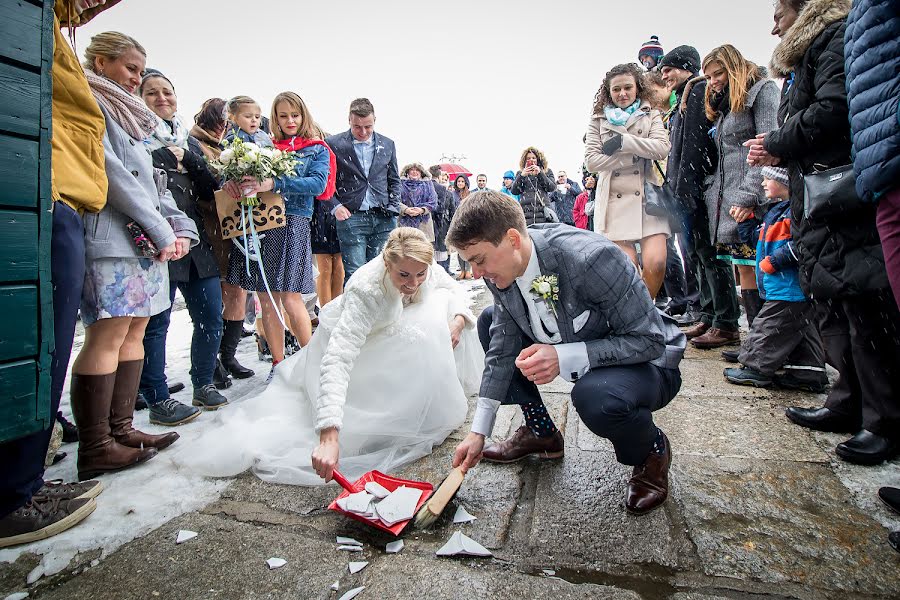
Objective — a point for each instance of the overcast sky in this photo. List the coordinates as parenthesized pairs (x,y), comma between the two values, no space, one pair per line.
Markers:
(481,79)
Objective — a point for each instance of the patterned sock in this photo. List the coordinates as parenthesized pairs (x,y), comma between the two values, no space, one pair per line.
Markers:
(538,419)
(658,444)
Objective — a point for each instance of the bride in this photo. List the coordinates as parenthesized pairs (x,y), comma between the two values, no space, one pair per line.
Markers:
(383,380)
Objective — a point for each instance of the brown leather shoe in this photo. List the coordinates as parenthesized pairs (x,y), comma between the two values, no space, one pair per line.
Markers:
(648,487)
(716,338)
(696,331)
(524,443)
(121,410)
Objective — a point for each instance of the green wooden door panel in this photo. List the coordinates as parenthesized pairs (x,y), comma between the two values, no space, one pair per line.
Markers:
(18,172)
(19,249)
(19,414)
(20,100)
(18,335)
(21,30)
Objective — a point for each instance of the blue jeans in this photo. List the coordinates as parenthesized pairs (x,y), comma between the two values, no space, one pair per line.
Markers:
(204,303)
(362,237)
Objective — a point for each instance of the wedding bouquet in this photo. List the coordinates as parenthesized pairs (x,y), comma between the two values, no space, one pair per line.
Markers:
(242,159)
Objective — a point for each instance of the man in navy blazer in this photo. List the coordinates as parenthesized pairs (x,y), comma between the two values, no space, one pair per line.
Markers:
(367,198)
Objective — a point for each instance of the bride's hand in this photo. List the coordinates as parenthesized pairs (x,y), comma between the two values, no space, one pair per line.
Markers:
(325,457)
(456,328)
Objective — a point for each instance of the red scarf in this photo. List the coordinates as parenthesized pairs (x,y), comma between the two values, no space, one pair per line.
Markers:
(297,143)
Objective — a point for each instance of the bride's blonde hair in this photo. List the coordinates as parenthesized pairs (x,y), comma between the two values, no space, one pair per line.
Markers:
(408,242)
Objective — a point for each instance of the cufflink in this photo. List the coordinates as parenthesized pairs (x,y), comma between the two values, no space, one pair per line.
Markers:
(574,376)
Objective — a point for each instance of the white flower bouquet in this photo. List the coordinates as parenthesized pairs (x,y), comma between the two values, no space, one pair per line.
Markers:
(242,159)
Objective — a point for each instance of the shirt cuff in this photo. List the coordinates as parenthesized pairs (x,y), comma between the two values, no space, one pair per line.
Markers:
(573,360)
(485,415)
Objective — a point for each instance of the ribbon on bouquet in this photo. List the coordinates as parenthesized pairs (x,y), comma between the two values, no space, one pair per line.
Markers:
(247,221)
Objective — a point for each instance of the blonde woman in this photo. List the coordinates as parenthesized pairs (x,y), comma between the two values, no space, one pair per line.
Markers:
(383,380)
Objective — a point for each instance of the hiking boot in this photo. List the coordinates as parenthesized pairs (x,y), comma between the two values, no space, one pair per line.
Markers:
(208,397)
(172,412)
(747,376)
(70,432)
(70,491)
(715,338)
(43,517)
(697,330)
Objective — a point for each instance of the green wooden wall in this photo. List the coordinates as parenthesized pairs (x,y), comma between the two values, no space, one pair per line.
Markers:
(26,303)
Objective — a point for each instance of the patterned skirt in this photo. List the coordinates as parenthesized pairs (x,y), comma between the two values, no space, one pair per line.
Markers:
(286,259)
(739,254)
(124,287)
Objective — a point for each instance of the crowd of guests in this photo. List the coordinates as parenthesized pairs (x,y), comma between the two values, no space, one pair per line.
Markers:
(732,158)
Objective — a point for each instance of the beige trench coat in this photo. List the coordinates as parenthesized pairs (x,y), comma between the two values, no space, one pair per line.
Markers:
(619,205)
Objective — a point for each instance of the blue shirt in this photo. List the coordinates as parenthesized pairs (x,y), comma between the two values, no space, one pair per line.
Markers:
(365,152)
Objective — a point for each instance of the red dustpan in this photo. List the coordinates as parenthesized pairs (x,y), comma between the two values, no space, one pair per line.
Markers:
(390,484)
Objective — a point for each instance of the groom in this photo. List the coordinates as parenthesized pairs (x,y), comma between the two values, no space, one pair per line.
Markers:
(567,302)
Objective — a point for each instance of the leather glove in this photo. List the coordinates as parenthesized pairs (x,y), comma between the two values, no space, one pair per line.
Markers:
(612,145)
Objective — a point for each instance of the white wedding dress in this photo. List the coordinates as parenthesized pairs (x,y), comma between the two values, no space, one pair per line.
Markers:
(380,367)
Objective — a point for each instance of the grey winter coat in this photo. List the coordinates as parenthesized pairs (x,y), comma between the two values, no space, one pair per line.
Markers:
(134,195)
(734,182)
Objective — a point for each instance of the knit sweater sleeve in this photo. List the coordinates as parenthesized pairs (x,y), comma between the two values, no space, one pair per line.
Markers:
(358,316)
(765,119)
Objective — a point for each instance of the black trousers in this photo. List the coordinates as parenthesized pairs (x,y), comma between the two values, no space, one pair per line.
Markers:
(22,460)
(862,341)
(680,283)
(615,402)
(718,299)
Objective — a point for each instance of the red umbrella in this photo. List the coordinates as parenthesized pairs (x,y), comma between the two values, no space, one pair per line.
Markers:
(452,170)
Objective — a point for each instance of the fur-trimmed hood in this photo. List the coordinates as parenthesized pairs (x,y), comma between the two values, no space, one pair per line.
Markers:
(418,166)
(813,19)
(687,90)
(542,160)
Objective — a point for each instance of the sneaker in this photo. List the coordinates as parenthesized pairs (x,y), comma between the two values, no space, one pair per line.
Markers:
(747,376)
(817,384)
(70,491)
(208,397)
(172,412)
(43,517)
(271,374)
(262,349)
(731,355)
(70,432)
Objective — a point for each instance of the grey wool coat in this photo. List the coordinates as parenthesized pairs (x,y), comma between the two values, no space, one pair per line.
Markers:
(136,193)
(734,182)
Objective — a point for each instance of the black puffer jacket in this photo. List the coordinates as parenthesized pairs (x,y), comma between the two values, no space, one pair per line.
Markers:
(442,216)
(534,194)
(190,188)
(693,149)
(840,257)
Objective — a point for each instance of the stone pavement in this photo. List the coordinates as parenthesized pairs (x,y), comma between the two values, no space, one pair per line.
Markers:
(758,509)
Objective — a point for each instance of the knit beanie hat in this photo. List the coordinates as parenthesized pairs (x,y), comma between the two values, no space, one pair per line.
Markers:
(682,57)
(652,49)
(779,174)
(509,175)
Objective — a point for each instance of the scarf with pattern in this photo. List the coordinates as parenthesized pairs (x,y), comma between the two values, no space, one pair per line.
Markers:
(169,133)
(619,116)
(126,109)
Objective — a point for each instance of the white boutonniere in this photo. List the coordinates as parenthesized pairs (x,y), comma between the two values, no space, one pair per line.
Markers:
(546,287)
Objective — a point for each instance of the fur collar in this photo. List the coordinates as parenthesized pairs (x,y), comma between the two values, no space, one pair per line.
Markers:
(687,91)
(814,18)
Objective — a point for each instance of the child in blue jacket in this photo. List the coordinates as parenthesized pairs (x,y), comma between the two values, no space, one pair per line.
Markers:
(784,346)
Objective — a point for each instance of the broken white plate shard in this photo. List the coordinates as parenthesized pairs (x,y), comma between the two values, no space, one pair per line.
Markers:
(549,572)
(351,548)
(462,545)
(463,516)
(352,593)
(399,506)
(335,586)
(342,504)
(359,502)
(394,547)
(377,490)
(356,567)
(185,535)
(348,541)
(276,563)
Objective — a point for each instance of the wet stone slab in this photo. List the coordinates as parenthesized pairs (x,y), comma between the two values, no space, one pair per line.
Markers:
(782,523)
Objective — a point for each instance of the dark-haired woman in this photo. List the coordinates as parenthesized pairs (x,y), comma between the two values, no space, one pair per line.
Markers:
(624,138)
(460,192)
(534,183)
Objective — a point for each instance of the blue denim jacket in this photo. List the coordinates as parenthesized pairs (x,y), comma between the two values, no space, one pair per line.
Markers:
(308,181)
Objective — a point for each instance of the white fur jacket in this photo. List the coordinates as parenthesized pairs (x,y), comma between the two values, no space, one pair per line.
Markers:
(370,303)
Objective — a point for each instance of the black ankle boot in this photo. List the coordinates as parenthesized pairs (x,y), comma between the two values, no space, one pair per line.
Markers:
(752,304)
(231,336)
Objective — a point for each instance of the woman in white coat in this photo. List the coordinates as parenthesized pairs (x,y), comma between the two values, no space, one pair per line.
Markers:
(624,139)
(384,379)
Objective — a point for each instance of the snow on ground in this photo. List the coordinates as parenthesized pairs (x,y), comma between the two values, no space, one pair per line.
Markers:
(140,499)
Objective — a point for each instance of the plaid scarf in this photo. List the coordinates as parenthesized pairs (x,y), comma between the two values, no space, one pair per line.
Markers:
(127,110)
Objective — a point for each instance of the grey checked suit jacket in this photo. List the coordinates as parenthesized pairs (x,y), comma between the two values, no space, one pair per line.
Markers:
(602,302)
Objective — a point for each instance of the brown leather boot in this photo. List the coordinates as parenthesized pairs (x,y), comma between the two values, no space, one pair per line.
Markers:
(716,338)
(524,443)
(121,411)
(648,487)
(696,331)
(98,452)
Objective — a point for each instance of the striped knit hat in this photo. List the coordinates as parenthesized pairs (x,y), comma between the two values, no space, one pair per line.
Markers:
(779,174)
(652,49)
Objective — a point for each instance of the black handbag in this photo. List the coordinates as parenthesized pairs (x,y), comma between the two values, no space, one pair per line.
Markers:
(660,201)
(830,193)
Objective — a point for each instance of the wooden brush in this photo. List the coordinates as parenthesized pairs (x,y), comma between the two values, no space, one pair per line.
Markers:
(439,500)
